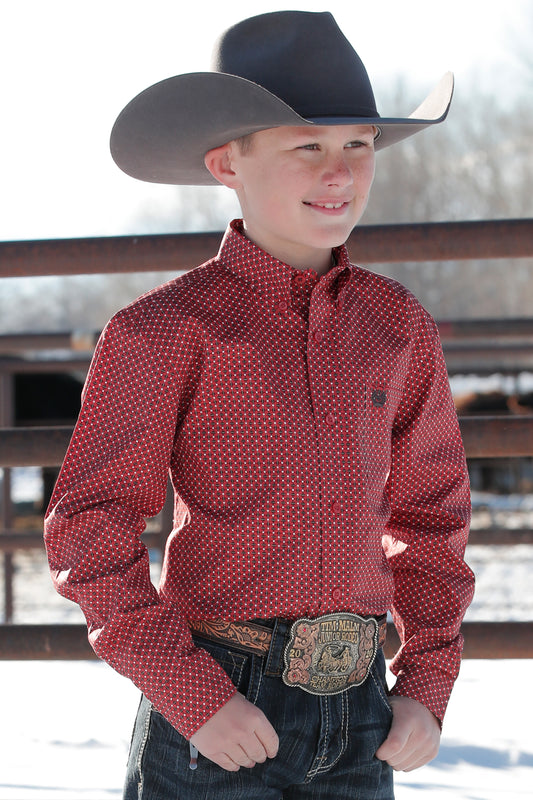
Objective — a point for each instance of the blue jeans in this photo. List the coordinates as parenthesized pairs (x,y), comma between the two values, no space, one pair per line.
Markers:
(327,743)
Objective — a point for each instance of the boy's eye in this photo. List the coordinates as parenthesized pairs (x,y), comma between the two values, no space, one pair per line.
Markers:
(350,145)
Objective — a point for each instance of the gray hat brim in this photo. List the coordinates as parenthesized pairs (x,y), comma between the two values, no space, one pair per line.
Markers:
(163,134)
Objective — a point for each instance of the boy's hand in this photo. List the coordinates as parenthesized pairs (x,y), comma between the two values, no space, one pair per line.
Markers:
(238,735)
(414,736)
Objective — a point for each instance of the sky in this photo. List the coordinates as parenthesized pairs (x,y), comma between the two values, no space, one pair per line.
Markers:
(67,69)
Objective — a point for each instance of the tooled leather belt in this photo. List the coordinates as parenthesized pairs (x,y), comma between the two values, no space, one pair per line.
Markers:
(326,655)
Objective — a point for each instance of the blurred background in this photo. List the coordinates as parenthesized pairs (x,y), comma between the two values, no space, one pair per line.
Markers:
(67,68)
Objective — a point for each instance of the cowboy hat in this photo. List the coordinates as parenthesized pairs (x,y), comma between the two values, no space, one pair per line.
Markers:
(281,68)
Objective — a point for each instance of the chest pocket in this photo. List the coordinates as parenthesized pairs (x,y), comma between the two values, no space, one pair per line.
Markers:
(380,404)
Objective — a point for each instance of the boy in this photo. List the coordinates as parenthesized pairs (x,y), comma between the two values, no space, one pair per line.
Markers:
(302,407)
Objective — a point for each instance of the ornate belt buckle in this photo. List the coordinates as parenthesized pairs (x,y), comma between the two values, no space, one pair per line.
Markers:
(330,654)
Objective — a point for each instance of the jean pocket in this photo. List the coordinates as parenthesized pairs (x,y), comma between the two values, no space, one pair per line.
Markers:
(377,676)
(236,665)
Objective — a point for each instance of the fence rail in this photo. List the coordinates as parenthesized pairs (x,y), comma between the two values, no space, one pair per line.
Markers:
(481,346)
(483,437)
(368,244)
(69,642)
(509,354)
(449,329)
(496,331)
(13,540)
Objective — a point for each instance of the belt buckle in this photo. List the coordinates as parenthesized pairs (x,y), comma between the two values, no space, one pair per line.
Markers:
(330,654)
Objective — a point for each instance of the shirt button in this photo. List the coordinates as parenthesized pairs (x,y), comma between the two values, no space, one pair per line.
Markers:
(281,306)
(330,418)
(336,593)
(336,507)
(318,336)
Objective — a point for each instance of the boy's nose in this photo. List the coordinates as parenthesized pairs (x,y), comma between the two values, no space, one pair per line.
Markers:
(338,172)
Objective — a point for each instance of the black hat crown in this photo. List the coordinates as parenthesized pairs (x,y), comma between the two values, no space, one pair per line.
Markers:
(278,69)
(301,57)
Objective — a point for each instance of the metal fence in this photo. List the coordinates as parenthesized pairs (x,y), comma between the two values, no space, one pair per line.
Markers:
(481,346)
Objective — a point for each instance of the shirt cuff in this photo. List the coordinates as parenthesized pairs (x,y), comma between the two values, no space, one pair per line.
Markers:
(432,690)
(189,697)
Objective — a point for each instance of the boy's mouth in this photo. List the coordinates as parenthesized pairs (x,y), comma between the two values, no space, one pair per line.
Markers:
(330,206)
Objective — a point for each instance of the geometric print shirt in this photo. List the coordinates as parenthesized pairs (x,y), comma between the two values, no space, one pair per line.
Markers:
(308,430)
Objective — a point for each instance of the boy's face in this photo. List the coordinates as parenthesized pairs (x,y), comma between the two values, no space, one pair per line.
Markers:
(302,189)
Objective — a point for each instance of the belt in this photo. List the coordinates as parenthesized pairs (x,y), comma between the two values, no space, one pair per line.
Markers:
(325,655)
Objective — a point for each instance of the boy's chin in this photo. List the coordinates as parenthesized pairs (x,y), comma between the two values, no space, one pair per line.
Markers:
(332,239)
(334,235)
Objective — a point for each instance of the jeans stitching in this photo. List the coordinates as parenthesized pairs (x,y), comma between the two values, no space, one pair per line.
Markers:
(272,669)
(317,767)
(254,669)
(237,666)
(332,719)
(142,748)
(381,692)
(344,726)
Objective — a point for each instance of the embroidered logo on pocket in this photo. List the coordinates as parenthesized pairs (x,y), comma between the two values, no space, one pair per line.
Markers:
(378,397)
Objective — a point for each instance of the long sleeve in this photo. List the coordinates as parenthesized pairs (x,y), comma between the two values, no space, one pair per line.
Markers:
(428,529)
(114,476)
(298,446)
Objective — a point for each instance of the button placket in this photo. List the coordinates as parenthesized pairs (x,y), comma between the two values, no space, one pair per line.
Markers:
(322,370)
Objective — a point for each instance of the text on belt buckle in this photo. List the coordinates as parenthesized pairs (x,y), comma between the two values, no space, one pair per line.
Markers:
(330,654)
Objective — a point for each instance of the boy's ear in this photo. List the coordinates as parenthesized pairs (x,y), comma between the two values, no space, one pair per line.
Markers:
(219,163)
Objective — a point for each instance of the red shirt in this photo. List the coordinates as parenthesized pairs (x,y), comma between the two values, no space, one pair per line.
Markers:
(317,466)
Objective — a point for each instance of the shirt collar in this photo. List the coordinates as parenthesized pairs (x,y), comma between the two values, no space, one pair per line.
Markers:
(273,279)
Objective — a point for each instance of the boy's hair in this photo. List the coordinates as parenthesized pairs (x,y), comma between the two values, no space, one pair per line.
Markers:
(244,143)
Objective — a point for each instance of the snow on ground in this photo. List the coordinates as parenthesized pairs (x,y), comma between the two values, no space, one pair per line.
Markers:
(67,727)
